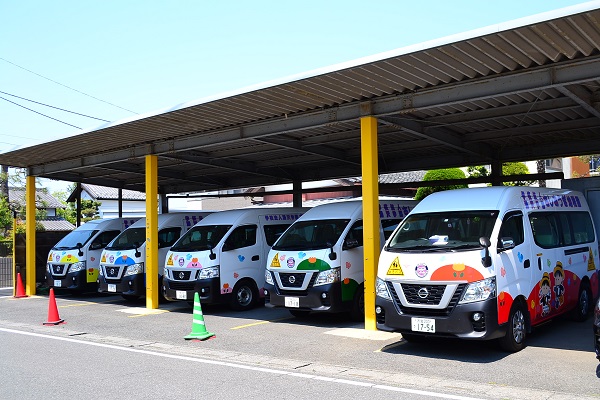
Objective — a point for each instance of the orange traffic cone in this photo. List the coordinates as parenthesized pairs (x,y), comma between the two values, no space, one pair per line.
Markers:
(20,290)
(198,326)
(53,318)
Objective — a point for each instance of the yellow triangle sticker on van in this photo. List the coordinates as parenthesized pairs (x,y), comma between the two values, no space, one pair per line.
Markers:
(170,260)
(103,258)
(395,268)
(275,263)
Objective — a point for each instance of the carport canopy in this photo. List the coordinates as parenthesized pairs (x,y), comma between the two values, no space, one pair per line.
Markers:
(523,90)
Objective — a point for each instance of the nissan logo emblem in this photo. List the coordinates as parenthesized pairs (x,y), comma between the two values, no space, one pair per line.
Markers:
(112,271)
(292,279)
(181,275)
(423,293)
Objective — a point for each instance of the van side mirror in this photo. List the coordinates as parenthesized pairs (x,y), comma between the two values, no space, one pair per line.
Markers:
(350,243)
(486,261)
(212,255)
(79,246)
(95,246)
(137,249)
(506,243)
(332,255)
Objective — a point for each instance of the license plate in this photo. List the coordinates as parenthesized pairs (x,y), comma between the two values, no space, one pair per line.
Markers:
(293,302)
(423,325)
(57,283)
(112,287)
(181,295)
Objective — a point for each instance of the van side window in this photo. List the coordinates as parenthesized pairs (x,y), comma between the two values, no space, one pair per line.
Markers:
(272,232)
(583,229)
(512,226)
(563,228)
(242,236)
(104,239)
(388,226)
(356,233)
(168,236)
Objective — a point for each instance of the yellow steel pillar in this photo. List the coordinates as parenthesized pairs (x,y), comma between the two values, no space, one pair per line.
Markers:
(152,232)
(370,193)
(30,235)
(14,252)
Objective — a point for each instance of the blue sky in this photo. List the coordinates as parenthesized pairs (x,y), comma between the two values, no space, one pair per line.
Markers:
(113,59)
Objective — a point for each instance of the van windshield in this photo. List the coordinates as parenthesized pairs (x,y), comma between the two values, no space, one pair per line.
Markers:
(443,231)
(311,235)
(202,237)
(131,238)
(70,241)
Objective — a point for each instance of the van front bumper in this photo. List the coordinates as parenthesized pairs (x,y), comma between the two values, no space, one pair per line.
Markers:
(320,298)
(131,285)
(209,290)
(72,280)
(459,322)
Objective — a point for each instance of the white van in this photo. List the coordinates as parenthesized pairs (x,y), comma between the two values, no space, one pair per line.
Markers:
(73,261)
(318,263)
(122,264)
(488,263)
(222,258)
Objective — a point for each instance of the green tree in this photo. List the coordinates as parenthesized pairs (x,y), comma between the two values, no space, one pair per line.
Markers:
(89,211)
(508,168)
(440,174)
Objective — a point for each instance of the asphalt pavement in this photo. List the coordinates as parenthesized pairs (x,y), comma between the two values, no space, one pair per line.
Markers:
(558,363)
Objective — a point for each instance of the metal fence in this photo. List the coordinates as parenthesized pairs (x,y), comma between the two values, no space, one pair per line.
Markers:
(6,272)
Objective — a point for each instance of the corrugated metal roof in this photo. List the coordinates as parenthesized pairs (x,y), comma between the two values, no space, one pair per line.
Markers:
(524,90)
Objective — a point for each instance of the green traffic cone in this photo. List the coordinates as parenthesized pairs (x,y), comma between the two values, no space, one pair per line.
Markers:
(198,327)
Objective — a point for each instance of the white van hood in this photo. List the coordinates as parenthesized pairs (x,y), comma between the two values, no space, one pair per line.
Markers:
(460,266)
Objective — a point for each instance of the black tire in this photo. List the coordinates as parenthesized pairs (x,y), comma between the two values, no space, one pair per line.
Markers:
(244,296)
(299,313)
(584,303)
(130,297)
(358,305)
(514,340)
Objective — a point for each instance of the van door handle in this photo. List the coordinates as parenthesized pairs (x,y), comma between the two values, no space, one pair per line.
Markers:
(526,264)
(255,258)
(540,263)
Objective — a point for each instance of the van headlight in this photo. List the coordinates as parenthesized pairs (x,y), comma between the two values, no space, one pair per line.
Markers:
(330,276)
(134,269)
(78,266)
(269,277)
(209,272)
(381,289)
(480,290)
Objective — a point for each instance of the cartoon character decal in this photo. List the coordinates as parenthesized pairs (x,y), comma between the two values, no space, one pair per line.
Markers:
(558,288)
(456,272)
(545,294)
(194,263)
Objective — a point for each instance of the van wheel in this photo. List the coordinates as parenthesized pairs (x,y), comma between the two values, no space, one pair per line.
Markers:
(299,313)
(514,340)
(584,303)
(358,305)
(244,295)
